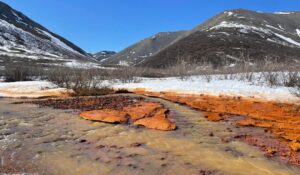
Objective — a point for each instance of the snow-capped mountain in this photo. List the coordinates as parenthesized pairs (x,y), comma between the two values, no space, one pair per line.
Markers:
(103,55)
(23,39)
(141,51)
(237,36)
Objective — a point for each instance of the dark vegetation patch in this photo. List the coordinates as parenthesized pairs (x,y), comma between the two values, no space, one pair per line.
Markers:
(89,103)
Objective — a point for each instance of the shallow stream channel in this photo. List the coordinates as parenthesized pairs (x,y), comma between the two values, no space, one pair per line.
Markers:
(51,141)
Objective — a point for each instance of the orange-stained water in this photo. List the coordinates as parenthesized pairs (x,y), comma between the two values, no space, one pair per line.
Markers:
(60,142)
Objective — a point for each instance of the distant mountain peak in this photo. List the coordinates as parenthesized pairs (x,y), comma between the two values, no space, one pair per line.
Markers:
(103,55)
(141,51)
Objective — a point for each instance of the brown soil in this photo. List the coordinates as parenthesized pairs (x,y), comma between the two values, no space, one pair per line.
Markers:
(280,119)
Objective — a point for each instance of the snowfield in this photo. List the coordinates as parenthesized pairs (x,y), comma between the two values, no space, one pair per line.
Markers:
(193,85)
(30,89)
(199,85)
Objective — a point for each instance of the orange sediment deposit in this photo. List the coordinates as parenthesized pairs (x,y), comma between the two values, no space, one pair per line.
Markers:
(215,116)
(158,121)
(115,109)
(295,145)
(149,114)
(281,119)
(141,110)
(105,115)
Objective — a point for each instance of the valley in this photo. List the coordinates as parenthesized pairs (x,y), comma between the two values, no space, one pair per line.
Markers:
(219,98)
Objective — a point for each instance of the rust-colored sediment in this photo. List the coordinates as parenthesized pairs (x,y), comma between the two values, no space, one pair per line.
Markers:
(281,119)
(105,115)
(116,109)
(141,110)
(157,121)
(149,114)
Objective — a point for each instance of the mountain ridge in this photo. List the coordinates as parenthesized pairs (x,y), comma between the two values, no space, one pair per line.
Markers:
(143,49)
(217,39)
(24,40)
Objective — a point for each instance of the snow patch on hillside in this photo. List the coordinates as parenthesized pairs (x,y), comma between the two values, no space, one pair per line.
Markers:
(298,32)
(229,13)
(59,42)
(246,28)
(262,32)
(18,18)
(283,13)
(289,40)
(272,27)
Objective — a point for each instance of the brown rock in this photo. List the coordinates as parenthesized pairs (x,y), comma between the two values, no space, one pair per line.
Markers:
(105,115)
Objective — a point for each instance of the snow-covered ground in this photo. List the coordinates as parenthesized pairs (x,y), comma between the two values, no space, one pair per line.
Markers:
(30,89)
(200,85)
(192,85)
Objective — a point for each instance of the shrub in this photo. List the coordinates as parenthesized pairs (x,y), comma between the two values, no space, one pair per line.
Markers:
(84,82)
(17,73)
(272,78)
(296,91)
(92,91)
(292,79)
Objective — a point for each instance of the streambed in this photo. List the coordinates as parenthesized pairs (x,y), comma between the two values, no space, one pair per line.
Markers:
(52,141)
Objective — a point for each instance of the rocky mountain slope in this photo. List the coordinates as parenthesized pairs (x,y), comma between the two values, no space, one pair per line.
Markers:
(142,50)
(23,40)
(236,36)
(103,55)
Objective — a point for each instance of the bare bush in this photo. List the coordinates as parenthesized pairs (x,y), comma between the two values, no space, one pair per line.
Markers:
(296,91)
(127,74)
(292,79)
(17,73)
(60,77)
(84,82)
(208,77)
(272,78)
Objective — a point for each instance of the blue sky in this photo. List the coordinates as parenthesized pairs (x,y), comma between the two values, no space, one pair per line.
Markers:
(96,25)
